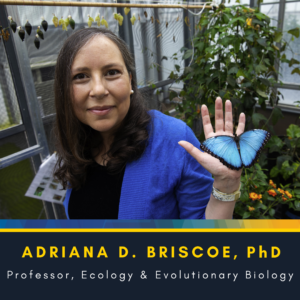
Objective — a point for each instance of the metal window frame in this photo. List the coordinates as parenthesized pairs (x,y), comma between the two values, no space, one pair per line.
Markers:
(281,14)
(32,124)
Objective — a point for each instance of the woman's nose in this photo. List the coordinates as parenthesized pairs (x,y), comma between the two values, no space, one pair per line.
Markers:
(98,88)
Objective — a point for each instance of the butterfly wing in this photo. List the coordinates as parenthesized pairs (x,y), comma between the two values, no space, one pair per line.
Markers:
(251,144)
(225,149)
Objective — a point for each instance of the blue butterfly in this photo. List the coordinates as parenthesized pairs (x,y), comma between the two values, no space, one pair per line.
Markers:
(236,152)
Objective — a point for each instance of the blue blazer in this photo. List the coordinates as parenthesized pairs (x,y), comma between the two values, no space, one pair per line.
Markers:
(165,182)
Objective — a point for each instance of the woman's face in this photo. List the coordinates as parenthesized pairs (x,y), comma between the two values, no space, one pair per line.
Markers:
(101,86)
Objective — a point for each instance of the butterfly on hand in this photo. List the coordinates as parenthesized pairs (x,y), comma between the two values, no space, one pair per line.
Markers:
(238,151)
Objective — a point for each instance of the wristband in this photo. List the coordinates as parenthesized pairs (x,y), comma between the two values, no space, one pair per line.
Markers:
(227,197)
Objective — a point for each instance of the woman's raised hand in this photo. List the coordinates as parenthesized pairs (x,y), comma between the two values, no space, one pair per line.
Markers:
(226,180)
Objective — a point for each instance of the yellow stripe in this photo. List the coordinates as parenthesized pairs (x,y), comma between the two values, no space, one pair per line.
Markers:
(154,230)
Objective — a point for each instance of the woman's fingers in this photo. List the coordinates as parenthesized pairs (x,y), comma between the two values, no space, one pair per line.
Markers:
(219,123)
(228,118)
(192,150)
(241,125)
(207,127)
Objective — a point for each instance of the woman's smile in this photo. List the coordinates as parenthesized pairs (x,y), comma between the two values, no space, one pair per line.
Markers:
(100,111)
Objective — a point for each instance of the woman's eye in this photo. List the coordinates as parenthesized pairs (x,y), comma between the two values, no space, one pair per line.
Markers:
(113,72)
(79,76)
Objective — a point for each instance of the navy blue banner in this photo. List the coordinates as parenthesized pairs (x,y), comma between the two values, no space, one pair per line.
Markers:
(149,265)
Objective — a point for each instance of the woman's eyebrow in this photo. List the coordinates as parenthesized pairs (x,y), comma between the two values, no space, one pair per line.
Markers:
(82,69)
(112,65)
(79,69)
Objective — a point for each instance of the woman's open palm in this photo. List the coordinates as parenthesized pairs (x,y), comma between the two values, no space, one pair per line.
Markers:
(210,163)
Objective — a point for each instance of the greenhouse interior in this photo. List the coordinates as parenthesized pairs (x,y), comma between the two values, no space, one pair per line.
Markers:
(186,54)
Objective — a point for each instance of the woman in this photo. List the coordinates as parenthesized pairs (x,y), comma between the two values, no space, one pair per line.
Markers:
(117,159)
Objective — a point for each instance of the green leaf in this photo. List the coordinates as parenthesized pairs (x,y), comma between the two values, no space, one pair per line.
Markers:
(261,68)
(200,46)
(236,45)
(274,149)
(233,70)
(240,73)
(293,131)
(256,118)
(246,215)
(246,84)
(272,212)
(177,67)
(244,196)
(222,93)
(295,32)
(250,37)
(187,70)
(274,172)
(278,36)
(264,81)
(231,81)
(286,170)
(236,20)
(260,16)
(293,62)
(297,70)
(262,42)
(277,114)
(172,95)
(270,198)
(281,159)
(275,141)
(261,93)
(187,54)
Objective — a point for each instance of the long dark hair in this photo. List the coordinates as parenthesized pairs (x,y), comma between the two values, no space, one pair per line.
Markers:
(75,140)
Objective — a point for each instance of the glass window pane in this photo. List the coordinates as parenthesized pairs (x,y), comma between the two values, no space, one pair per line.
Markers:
(232,2)
(290,96)
(269,1)
(291,20)
(14,182)
(271,10)
(9,108)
